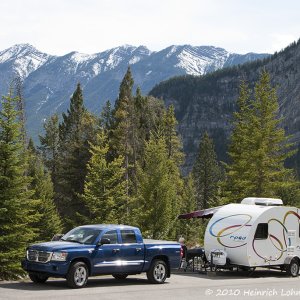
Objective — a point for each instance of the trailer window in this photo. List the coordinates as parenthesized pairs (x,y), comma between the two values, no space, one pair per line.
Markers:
(261,231)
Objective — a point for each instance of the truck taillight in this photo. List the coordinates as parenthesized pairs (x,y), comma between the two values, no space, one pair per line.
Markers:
(181,251)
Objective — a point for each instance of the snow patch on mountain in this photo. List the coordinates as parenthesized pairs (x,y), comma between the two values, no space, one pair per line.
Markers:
(172,51)
(134,60)
(24,59)
(200,60)
(193,65)
(96,68)
(81,57)
(113,60)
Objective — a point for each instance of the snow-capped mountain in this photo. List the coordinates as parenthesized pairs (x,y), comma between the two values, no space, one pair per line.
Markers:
(49,80)
(22,60)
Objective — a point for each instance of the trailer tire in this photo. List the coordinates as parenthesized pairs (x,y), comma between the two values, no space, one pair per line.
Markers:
(38,278)
(293,268)
(78,275)
(158,272)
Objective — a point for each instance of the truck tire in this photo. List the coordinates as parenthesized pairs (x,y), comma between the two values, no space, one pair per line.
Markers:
(38,278)
(158,271)
(120,276)
(78,275)
(293,268)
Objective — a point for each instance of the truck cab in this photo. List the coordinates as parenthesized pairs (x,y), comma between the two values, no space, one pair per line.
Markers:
(92,250)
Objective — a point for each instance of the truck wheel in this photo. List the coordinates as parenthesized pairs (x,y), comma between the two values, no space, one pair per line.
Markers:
(38,278)
(120,276)
(78,275)
(157,272)
(293,268)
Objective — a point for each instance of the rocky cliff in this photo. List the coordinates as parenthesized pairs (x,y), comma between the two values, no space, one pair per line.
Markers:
(206,103)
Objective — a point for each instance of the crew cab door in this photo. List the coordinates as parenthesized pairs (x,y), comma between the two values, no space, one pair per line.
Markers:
(133,252)
(107,257)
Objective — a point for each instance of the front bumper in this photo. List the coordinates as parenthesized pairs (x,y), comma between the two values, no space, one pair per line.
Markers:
(54,269)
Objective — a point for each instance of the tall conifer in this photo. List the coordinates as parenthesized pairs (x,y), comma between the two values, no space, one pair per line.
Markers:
(76,129)
(105,186)
(122,140)
(16,205)
(206,174)
(156,190)
(258,146)
(50,145)
(42,188)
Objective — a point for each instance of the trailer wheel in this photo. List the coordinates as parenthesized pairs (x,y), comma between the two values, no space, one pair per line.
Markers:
(158,271)
(38,278)
(293,268)
(213,268)
(78,275)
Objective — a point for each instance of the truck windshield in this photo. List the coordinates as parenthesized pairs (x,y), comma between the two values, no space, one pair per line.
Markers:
(82,235)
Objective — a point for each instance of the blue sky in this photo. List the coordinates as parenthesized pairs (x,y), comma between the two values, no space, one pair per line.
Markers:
(89,26)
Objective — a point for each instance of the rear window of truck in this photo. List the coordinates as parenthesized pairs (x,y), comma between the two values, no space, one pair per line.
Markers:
(128,236)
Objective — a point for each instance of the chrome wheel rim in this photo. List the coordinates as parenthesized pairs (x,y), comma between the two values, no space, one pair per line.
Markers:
(80,276)
(294,269)
(160,273)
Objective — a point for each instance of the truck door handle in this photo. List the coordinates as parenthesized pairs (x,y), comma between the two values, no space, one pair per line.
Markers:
(116,250)
(138,249)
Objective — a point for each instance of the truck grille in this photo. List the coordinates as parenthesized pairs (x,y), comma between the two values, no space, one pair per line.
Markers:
(39,256)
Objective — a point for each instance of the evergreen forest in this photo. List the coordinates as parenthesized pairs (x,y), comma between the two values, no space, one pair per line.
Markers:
(124,166)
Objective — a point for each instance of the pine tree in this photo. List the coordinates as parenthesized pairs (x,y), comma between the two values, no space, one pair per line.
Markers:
(176,159)
(156,190)
(122,141)
(149,115)
(125,91)
(76,130)
(172,140)
(105,185)
(18,90)
(50,144)
(206,174)
(189,229)
(70,128)
(122,135)
(42,188)
(16,206)
(258,146)
(106,116)
(235,185)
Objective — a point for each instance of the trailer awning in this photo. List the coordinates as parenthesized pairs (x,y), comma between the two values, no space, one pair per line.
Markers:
(204,213)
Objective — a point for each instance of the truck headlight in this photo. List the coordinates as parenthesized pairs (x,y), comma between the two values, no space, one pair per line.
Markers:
(59,256)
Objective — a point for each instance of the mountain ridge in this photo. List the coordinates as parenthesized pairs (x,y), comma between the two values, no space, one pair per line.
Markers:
(206,103)
(50,80)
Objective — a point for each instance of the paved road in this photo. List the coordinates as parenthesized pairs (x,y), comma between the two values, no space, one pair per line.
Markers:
(262,285)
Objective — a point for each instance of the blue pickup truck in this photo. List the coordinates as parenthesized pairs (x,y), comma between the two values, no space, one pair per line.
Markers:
(92,250)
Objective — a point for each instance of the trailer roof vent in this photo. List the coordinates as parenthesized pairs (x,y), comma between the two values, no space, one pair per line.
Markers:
(262,201)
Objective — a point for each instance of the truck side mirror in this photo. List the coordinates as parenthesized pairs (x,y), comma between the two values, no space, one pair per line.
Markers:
(104,241)
(57,237)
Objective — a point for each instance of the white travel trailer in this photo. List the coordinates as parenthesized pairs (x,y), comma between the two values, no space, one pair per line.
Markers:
(258,232)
